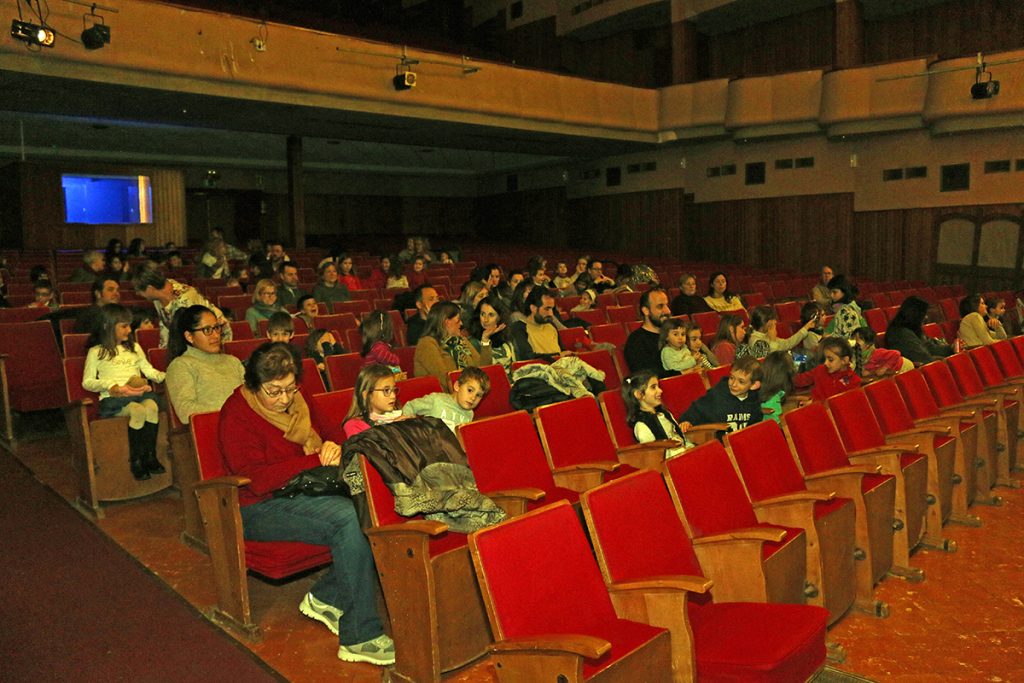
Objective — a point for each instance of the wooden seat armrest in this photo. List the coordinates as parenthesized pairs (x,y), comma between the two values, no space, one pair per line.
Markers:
(589,647)
(527,493)
(227,481)
(895,447)
(954,412)
(888,461)
(844,471)
(1004,391)
(425,527)
(799,496)
(978,402)
(709,427)
(650,445)
(599,465)
(934,430)
(749,534)
(680,582)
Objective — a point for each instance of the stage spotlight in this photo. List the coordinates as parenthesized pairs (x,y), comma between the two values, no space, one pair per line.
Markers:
(983,90)
(405,80)
(96,36)
(33,34)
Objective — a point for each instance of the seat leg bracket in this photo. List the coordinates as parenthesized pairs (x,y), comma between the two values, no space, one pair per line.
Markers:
(911,574)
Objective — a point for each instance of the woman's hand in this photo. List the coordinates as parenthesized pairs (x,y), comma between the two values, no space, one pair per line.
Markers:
(685,427)
(488,331)
(330,453)
(811,324)
(773,330)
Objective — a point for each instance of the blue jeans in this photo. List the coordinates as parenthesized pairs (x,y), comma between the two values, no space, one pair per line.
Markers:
(326,520)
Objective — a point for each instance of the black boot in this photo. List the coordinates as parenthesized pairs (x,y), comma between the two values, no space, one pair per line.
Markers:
(150,432)
(135,454)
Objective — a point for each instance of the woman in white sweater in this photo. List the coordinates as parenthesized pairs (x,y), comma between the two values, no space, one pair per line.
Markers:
(116,368)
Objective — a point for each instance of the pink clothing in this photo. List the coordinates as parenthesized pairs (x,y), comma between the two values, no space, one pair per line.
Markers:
(883,360)
(725,352)
(381,352)
(355,426)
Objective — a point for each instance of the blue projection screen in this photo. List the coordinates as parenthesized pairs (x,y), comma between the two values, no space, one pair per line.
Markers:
(107,199)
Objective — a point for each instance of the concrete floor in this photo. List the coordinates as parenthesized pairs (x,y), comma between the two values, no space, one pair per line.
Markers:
(964,623)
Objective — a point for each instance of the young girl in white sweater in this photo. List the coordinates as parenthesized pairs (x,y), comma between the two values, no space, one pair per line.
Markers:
(114,368)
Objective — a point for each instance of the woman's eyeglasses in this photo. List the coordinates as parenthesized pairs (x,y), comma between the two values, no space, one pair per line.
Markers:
(210,329)
(275,392)
(388,391)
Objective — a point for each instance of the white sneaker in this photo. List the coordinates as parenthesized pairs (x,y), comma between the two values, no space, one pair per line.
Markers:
(379,651)
(328,615)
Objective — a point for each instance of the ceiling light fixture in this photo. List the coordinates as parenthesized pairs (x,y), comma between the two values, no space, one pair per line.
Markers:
(33,34)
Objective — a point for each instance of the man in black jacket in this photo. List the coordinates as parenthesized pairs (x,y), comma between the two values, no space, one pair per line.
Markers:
(641,350)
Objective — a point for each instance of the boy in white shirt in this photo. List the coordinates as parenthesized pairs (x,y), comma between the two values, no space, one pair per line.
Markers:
(457,407)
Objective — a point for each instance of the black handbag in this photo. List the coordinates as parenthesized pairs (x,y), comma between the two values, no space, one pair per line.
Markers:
(316,481)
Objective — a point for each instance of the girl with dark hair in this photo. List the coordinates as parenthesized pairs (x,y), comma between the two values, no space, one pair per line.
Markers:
(266,435)
(905,335)
(442,348)
(848,315)
(777,374)
(764,337)
(729,341)
(719,298)
(200,377)
(378,336)
(645,413)
(137,247)
(114,368)
(975,328)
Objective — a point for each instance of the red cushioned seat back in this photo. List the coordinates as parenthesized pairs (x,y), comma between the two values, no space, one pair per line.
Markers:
(593,317)
(76,345)
(73,368)
(1018,347)
(602,360)
(496,400)
(709,491)
(242,348)
(379,500)
(890,409)
(240,330)
(815,439)
(357,307)
(238,303)
(789,311)
(636,530)
(1007,358)
(680,391)
(312,381)
(148,338)
(539,577)
(328,409)
(417,387)
(765,461)
(35,372)
(965,374)
(609,333)
(343,369)
(706,320)
(158,358)
(942,384)
(918,396)
(573,432)
(950,309)
(336,321)
(621,314)
(504,452)
(206,445)
(573,339)
(629,298)
(876,320)
(614,410)
(715,375)
(853,417)
(986,366)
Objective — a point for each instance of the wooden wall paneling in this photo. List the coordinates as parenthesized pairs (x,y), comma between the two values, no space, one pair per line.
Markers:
(800,41)
(956,27)
(641,223)
(10,200)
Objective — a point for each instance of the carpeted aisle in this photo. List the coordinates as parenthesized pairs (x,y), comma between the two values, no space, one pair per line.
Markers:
(74,606)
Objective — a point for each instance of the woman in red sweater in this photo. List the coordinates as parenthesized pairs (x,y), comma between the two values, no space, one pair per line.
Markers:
(266,435)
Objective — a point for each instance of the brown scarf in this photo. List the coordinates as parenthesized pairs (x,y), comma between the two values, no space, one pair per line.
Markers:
(295,422)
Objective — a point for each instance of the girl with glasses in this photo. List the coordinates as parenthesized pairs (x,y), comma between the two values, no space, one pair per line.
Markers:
(200,377)
(375,400)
